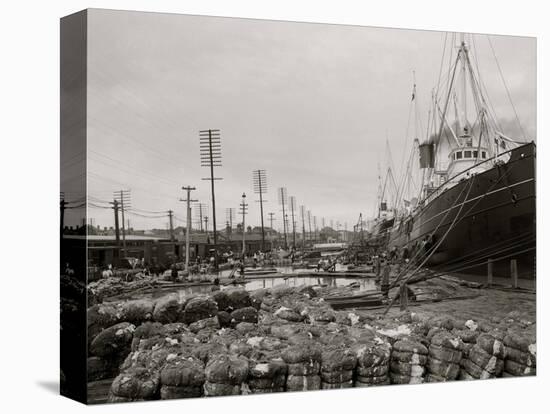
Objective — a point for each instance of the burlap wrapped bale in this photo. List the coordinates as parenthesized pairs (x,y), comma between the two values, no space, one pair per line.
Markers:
(303,382)
(168,309)
(516,369)
(208,323)
(305,352)
(337,367)
(200,307)
(224,318)
(256,297)
(136,311)
(136,384)
(491,342)
(100,317)
(116,339)
(182,377)
(373,371)
(288,314)
(267,377)
(227,369)
(207,351)
(406,357)
(304,357)
(369,381)
(336,385)
(467,335)
(304,368)
(445,353)
(240,347)
(285,331)
(373,360)
(409,346)
(168,392)
(221,299)
(247,314)
(225,375)
(147,335)
(322,316)
(237,298)
(338,359)
(246,328)
(448,371)
(521,354)
(407,367)
(486,358)
(214,389)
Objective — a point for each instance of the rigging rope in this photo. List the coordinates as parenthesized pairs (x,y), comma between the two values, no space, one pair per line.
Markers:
(507,90)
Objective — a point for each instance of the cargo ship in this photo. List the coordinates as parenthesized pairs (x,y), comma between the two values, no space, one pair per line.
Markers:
(476,201)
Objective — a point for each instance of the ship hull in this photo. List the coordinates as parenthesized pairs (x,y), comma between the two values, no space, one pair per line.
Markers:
(490,215)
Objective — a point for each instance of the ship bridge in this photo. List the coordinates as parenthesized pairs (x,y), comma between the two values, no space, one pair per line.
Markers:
(465,157)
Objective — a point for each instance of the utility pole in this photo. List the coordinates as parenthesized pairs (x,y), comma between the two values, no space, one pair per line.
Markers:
(315,228)
(62,206)
(283,201)
(244,207)
(188,225)
(303,214)
(309,222)
(206,225)
(171,224)
(259,182)
(211,156)
(170,214)
(200,210)
(230,216)
(123,197)
(292,209)
(117,230)
(271,219)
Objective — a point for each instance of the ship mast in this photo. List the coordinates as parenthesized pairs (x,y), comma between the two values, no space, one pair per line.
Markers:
(463,58)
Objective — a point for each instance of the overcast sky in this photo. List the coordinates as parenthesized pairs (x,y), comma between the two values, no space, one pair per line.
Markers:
(310,103)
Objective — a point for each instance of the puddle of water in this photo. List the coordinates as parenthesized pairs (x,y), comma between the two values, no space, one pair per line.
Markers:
(364,284)
(288,276)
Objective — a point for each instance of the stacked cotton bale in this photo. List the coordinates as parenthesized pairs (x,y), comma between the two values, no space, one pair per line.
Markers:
(200,307)
(247,314)
(168,309)
(267,376)
(337,368)
(103,361)
(236,298)
(445,354)
(225,375)
(100,317)
(135,384)
(113,342)
(136,311)
(521,355)
(408,362)
(373,361)
(182,377)
(304,364)
(486,358)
